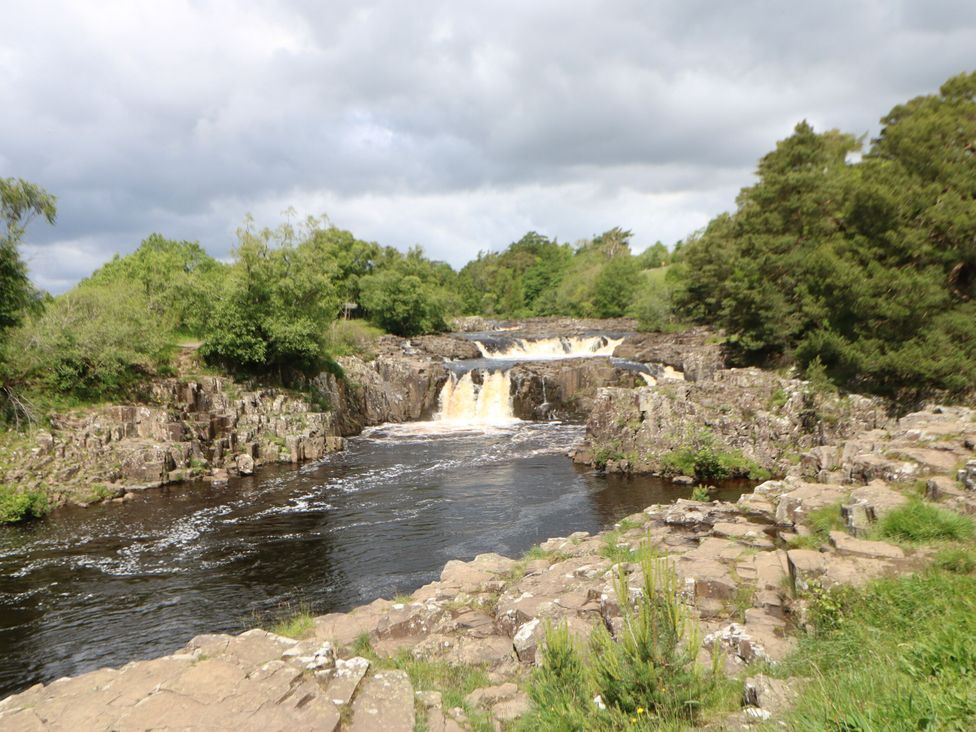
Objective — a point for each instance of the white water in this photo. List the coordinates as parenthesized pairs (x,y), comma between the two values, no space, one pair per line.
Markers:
(543,349)
(462,402)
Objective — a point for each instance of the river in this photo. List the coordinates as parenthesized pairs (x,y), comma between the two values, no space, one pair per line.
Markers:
(95,587)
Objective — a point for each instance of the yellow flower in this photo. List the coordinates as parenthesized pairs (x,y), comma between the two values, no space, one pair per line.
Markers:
(640,710)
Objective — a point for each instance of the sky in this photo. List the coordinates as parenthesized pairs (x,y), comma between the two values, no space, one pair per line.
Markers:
(457,125)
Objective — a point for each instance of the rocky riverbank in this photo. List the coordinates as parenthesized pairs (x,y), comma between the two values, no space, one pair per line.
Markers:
(748,573)
(202,427)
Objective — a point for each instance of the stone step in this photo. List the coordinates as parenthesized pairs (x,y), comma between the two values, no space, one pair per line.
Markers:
(346,679)
(384,703)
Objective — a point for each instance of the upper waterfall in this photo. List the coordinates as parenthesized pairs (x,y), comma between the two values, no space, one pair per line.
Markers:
(549,348)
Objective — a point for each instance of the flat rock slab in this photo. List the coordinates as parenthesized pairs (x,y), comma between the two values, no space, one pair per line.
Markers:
(846,544)
(385,703)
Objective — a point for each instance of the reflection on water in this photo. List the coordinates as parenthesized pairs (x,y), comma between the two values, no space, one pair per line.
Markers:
(106,585)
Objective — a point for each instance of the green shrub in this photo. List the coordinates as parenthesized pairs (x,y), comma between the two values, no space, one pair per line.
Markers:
(91,343)
(920,522)
(403,304)
(701,458)
(273,309)
(603,455)
(179,281)
(646,678)
(21,506)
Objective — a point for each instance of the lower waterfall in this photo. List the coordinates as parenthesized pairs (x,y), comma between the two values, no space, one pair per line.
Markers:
(461,400)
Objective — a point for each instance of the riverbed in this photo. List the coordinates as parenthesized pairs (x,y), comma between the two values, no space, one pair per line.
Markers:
(113,583)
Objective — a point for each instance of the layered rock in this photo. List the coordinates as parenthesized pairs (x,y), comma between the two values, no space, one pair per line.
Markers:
(565,389)
(770,419)
(207,427)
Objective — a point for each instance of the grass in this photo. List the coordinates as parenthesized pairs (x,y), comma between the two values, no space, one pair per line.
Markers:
(899,654)
(352,338)
(628,524)
(17,506)
(613,549)
(298,625)
(453,682)
(98,492)
(956,559)
(821,522)
(919,522)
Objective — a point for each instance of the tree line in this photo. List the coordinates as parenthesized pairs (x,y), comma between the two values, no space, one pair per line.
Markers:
(855,263)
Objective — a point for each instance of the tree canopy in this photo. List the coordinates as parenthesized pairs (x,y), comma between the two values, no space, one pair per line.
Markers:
(866,267)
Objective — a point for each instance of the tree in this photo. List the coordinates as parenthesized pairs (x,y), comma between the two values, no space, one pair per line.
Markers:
(868,268)
(274,308)
(178,278)
(403,303)
(20,203)
(615,286)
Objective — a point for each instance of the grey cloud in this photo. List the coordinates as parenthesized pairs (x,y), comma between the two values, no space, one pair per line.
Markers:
(455,125)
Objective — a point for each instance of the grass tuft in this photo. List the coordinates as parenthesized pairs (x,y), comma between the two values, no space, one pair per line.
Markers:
(647,677)
(918,522)
(298,625)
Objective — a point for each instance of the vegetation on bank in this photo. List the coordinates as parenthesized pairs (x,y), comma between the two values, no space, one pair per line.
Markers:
(702,458)
(17,506)
(899,653)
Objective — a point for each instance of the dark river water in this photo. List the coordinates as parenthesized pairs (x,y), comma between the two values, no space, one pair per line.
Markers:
(102,586)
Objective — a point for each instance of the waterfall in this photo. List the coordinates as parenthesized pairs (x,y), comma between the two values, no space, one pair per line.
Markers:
(461,400)
(552,348)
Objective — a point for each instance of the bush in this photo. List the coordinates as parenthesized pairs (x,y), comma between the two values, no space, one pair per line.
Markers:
(403,304)
(920,522)
(274,309)
(15,506)
(702,459)
(91,343)
(179,281)
(647,678)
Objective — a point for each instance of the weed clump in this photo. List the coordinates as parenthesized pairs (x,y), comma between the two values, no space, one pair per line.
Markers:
(646,677)
(919,522)
(16,506)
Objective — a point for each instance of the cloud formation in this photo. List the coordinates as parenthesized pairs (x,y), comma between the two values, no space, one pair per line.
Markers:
(458,126)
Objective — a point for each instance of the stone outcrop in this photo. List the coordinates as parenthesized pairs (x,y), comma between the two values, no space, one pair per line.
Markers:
(215,427)
(565,389)
(693,352)
(202,428)
(770,419)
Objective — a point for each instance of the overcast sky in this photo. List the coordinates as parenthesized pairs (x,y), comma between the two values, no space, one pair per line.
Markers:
(455,125)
